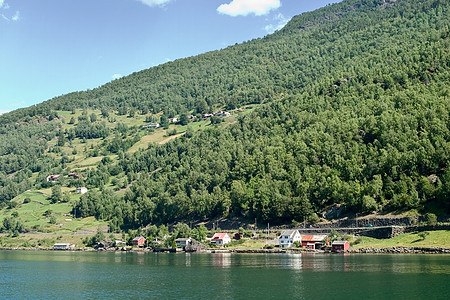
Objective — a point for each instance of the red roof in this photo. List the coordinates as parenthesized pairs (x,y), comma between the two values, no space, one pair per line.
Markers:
(313,238)
(219,236)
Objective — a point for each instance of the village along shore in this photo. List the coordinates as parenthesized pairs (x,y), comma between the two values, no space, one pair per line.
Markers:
(392,250)
(368,235)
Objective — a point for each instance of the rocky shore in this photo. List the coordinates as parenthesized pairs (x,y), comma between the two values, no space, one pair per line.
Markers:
(393,250)
(403,250)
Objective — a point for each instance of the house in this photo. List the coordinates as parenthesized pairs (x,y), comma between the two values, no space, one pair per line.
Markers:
(173,120)
(182,242)
(205,116)
(288,238)
(340,246)
(139,241)
(119,243)
(81,190)
(62,246)
(153,125)
(74,175)
(314,241)
(53,178)
(220,238)
(222,113)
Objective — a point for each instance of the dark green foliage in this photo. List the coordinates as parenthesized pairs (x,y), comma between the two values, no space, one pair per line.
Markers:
(88,130)
(184,120)
(57,195)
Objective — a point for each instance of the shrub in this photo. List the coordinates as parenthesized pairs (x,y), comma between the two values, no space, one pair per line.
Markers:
(423,234)
(431,219)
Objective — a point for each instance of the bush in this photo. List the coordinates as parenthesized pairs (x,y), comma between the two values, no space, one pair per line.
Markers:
(12,204)
(423,234)
(431,219)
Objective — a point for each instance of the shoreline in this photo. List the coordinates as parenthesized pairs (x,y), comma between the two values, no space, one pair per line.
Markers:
(392,250)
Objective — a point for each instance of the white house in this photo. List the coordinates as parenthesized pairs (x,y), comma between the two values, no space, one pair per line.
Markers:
(81,190)
(289,237)
(53,178)
(182,242)
(62,246)
(221,238)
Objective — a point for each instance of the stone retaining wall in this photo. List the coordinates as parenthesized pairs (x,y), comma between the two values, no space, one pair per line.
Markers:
(403,250)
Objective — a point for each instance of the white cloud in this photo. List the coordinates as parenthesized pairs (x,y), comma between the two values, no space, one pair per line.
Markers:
(153,3)
(246,7)
(281,21)
(4,17)
(16,16)
(4,5)
(116,76)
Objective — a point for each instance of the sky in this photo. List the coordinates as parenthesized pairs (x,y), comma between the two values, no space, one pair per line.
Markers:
(53,47)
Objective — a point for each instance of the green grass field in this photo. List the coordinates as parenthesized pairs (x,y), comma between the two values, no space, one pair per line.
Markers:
(438,238)
(35,215)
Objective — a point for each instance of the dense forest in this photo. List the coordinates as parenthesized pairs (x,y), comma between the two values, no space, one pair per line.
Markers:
(351,107)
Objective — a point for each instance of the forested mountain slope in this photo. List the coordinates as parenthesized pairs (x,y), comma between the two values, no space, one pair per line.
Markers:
(352,107)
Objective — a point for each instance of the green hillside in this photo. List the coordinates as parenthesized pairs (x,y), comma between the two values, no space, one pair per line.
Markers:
(346,105)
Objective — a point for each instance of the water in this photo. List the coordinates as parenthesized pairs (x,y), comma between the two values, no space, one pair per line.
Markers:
(81,275)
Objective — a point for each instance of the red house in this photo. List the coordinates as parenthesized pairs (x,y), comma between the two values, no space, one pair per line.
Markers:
(221,238)
(73,175)
(139,241)
(340,246)
(314,241)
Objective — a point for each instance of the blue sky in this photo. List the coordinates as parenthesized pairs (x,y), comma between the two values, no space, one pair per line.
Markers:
(53,47)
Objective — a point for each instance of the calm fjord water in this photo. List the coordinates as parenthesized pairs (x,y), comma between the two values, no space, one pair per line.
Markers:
(82,275)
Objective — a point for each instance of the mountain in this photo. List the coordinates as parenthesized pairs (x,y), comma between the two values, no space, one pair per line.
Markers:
(347,105)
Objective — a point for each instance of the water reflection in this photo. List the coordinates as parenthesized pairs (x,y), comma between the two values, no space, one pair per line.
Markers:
(221,260)
(188,259)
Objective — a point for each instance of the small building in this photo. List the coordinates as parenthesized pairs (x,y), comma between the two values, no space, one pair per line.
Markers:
(288,238)
(62,246)
(314,241)
(139,241)
(73,175)
(53,178)
(81,190)
(119,243)
(153,125)
(220,238)
(222,113)
(182,242)
(173,120)
(340,246)
(205,116)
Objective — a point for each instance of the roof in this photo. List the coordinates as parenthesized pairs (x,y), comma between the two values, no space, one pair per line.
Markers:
(182,239)
(219,236)
(288,232)
(339,242)
(138,238)
(313,238)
